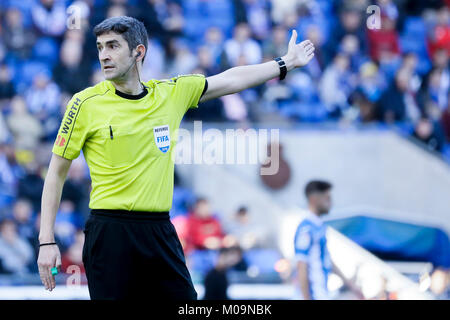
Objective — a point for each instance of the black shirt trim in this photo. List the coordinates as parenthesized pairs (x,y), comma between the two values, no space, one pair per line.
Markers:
(204,88)
(132,96)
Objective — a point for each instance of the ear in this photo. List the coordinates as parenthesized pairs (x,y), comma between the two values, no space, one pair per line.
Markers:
(140,51)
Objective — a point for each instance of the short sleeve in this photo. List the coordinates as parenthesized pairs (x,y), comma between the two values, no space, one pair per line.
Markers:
(303,242)
(189,89)
(72,131)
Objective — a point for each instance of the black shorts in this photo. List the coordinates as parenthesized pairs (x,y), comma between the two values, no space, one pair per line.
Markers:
(135,256)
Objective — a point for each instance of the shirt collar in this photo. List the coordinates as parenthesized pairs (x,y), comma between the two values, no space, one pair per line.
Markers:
(314,218)
(126,95)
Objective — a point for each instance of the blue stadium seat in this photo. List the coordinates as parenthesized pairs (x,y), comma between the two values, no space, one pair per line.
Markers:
(415,26)
(264,259)
(446,153)
(26,73)
(202,261)
(46,50)
(413,39)
(200,15)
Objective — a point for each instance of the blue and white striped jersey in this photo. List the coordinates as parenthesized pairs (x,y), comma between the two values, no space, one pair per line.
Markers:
(311,247)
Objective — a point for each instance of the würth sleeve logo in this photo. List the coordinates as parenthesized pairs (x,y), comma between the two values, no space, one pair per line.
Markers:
(70,116)
(162,137)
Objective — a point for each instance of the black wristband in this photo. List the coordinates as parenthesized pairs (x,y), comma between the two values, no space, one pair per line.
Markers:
(283,68)
(46,244)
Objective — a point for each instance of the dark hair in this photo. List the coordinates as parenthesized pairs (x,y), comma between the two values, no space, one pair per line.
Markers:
(242,210)
(131,29)
(200,200)
(317,186)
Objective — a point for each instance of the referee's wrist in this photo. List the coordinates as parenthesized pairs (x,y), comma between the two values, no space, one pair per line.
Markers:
(289,62)
(46,239)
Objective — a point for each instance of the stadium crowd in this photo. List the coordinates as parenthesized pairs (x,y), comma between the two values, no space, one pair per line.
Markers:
(398,74)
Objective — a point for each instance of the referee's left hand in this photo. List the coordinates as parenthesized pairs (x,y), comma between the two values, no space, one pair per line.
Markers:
(49,257)
(300,54)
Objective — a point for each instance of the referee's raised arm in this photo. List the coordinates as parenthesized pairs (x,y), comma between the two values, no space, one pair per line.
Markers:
(49,255)
(243,77)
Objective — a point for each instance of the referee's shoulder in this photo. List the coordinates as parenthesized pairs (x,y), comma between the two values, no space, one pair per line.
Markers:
(174,80)
(90,93)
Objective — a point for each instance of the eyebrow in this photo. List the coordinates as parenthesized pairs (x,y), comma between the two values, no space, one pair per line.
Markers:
(109,42)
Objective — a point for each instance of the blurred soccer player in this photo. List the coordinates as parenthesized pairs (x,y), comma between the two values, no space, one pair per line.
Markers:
(311,254)
(126,128)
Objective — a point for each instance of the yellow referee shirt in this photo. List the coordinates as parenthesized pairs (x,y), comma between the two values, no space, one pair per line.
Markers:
(128,141)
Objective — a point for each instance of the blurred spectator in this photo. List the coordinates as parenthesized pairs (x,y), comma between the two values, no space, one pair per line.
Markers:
(351,47)
(244,231)
(430,134)
(5,135)
(18,39)
(371,82)
(213,40)
(26,129)
(234,107)
(276,45)
(242,49)
(446,119)
(204,230)
(23,215)
(433,97)
(77,187)
(303,101)
(70,74)
(336,85)
(73,255)
(43,99)
(257,17)
(153,68)
(206,62)
(183,198)
(184,60)
(7,182)
(149,16)
(384,43)
(409,63)
(350,22)
(216,281)
(31,185)
(397,103)
(66,223)
(440,61)
(365,108)
(439,35)
(7,90)
(15,253)
(318,64)
(440,284)
(49,17)
(8,178)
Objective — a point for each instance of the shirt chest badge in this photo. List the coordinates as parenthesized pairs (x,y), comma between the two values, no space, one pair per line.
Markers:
(162,137)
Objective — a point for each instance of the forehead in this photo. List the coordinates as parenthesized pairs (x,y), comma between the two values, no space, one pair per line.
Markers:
(110,36)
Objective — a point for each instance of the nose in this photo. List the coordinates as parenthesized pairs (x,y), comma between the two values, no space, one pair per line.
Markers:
(103,55)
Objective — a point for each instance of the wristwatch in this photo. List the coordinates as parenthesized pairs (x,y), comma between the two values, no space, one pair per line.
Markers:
(283,68)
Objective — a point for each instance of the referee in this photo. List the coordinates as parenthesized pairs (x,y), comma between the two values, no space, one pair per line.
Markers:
(125,128)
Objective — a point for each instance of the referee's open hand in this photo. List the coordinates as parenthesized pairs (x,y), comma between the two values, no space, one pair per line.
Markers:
(49,257)
(299,54)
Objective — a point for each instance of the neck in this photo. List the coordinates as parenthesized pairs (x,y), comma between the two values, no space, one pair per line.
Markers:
(314,211)
(131,85)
